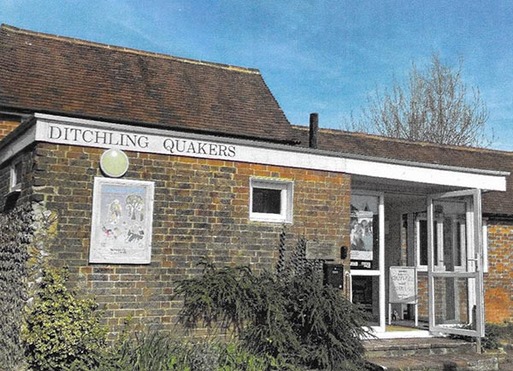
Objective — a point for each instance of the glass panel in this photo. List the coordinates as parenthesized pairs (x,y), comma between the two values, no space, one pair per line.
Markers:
(452,214)
(266,201)
(452,302)
(423,242)
(364,232)
(365,291)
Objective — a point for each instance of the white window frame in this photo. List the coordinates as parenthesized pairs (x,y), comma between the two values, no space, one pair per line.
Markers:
(485,245)
(439,242)
(15,178)
(286,188)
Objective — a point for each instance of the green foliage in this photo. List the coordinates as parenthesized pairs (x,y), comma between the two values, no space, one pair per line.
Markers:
(496,334)
(293,318)
(328,326)
(147,351)
(235,357)
(155,351)
(219,296)
(63,332)
(15,235)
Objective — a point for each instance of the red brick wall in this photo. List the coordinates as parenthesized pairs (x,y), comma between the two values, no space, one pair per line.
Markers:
(6,127)
(498,282)
(201,209)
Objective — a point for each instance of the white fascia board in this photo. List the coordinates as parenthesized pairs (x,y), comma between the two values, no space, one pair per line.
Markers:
(73,131)
(421,174)
(17,145)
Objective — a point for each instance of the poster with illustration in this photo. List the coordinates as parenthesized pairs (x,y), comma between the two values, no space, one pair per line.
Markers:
(122,221)
(363,209)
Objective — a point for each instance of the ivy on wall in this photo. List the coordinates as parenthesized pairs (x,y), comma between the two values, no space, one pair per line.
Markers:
(16,229)
(25,232)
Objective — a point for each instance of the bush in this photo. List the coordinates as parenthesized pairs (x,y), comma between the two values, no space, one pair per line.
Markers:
(154,351)
(293,318)
(328,326)
(497,334)
(62,331)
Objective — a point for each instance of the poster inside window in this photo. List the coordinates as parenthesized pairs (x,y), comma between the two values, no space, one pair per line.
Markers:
(122,221)
(363,230)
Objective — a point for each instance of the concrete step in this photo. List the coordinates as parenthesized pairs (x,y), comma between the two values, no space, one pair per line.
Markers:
(416,346)
(446,362)
(426,354)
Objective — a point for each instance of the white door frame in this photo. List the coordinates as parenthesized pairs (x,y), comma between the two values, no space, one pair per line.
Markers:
(473,263)
(380,272)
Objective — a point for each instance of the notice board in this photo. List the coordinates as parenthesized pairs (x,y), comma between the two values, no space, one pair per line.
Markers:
(402,285)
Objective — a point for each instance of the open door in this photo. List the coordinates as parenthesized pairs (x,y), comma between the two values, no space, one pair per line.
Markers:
(455,286)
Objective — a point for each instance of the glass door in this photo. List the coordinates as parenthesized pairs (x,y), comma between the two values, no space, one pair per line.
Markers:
(455,277)
(367,255)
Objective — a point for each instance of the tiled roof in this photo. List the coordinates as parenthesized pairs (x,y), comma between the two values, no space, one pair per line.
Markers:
(391,148)
(53,74)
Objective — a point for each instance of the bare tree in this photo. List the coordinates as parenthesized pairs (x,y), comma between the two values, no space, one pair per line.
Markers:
(434,106)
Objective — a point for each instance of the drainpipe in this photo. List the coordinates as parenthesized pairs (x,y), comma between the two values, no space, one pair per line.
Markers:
(314,129)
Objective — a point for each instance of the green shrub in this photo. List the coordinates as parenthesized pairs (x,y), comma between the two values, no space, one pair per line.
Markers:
(329,327)
(62,331)
(496,334)
(145,351)
(15,237)
(235,357)
(293,318)
(154,351)
(218,297)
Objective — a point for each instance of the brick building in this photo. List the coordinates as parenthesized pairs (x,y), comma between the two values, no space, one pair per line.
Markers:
(214,169)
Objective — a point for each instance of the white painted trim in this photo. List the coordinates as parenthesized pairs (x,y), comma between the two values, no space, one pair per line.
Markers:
(16,146)
(380,272)
(160,141)
(366,273)
(413,334)
(14,177)
(425,175)
(286,188)
(382,289)
(485,245)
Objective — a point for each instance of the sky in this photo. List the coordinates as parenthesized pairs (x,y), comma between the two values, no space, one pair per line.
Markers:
(316,56)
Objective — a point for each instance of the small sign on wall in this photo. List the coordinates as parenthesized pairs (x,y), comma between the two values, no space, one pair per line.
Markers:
(324,250)
(403,285)
(122,221)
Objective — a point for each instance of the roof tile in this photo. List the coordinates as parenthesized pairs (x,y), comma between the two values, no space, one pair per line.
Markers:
(53,74)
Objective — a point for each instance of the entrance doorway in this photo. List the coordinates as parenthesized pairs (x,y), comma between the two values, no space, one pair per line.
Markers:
(439,236)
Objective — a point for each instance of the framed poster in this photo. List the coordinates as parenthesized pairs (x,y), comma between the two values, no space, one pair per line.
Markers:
(363,232)
(402,285)
(122,221)
(362,235)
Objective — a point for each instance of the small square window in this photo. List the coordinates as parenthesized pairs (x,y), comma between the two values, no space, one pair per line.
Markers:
(16,175)
(271,200)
